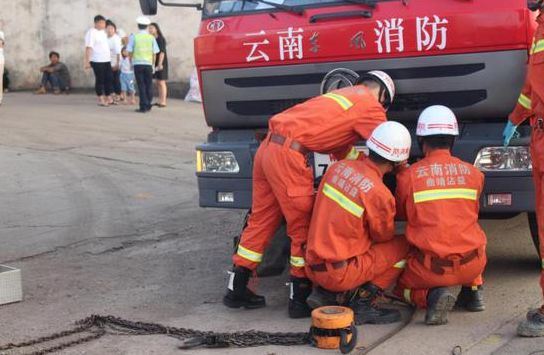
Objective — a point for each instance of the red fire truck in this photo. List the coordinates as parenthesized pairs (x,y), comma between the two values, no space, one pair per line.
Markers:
(256,58)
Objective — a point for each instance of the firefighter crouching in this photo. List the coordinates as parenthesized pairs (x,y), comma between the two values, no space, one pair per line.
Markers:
(352,252)
(283,182)
(439,198)
(531,106)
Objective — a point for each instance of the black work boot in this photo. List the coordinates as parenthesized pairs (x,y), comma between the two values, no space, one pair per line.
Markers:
(533,326)
(238,295)
(365,308)
(471,299)
(321,298)
(439,302)
(300,290)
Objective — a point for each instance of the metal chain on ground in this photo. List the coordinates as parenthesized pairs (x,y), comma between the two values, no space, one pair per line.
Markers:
(99,326)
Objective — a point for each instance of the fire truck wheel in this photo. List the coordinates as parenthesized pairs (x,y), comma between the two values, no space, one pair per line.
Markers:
(276,256)
(149,7)
(533,226)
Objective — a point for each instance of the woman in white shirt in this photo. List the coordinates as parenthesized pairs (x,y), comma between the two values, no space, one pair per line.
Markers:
(115,44)
(2,39)
(98,57)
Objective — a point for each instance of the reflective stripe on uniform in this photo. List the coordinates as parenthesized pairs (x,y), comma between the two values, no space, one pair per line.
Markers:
(524,101)
(408,295)
(445,194)
(474,288)
(542,264)
(249,254)
(340,100)
(353,154)
(297,261)
(538,47)
(400,265)
(343,201)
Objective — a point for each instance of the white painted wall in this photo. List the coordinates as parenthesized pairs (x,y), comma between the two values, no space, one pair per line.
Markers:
(35,27)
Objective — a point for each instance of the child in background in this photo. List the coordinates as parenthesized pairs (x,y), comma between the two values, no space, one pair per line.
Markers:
(127,79)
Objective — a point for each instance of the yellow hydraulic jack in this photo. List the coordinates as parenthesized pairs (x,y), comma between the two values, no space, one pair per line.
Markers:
(333,328)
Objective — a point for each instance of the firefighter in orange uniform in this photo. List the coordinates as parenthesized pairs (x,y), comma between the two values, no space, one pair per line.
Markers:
(283,182)
(352,251)
(439,198)
(531,106)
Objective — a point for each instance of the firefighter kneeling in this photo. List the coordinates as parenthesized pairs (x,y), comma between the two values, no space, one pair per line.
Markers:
(439,197)
(352,253)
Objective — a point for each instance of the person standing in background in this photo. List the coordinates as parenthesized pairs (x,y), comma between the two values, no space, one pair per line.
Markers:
(97,57)
(143,48)
(124,37)
(2,40)
(127,79)
(115,44)
(161,64)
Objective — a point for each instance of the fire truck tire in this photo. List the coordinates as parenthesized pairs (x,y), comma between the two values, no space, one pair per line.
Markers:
(276,256)
(533,227)
(149,7)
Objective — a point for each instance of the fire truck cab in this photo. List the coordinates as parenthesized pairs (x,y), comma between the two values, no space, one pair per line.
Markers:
(256,58)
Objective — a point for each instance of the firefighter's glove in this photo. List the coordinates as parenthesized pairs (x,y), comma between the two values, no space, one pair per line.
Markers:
(510,131)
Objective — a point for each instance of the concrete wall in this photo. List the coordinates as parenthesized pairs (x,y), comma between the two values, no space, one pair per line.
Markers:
(35,27)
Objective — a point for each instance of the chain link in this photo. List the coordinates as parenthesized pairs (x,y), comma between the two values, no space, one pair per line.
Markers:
(97,326)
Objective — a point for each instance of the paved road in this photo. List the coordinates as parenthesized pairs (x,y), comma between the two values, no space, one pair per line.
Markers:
(99,210)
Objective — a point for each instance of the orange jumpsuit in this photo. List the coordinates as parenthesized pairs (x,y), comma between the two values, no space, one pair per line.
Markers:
(531,105)
(283,182)
(439,197)
(351,239)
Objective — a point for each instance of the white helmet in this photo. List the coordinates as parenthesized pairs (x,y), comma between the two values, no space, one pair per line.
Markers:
(390,140)
(386,82)
(437,120)
(142,20)
(337,79)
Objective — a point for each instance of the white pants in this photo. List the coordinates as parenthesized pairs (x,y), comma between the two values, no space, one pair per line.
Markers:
(1,77)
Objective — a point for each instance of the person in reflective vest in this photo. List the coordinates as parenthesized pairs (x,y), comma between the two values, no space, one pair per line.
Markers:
(283,181)
(142,48)
(352,250)
(530,106)
(439,198)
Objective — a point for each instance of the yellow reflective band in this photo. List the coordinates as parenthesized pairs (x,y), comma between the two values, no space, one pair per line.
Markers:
(297,261)
(249,254)
(445,194)
(353,154)
(400,265)
(542,264)
(408,295)
(474,288)
(343,201)
(340,100)
(538,47)
(524,101)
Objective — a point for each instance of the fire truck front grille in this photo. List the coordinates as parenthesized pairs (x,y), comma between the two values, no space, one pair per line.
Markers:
(406,102)
(472,84)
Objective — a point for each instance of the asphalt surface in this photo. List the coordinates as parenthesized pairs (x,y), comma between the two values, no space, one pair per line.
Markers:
(99,209)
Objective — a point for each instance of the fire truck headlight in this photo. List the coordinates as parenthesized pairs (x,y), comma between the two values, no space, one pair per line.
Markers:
(504,159)
(216,162)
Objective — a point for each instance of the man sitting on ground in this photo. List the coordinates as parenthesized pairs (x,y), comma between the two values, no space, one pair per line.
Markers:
(55,75)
